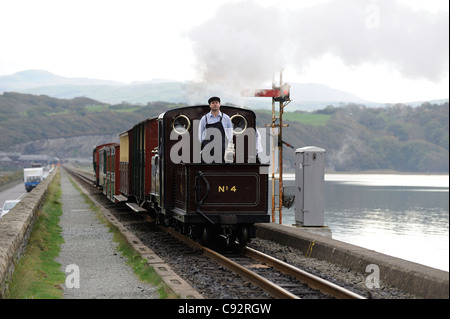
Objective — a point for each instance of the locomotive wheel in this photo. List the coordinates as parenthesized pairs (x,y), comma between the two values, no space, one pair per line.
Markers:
(205,235)
(243,237)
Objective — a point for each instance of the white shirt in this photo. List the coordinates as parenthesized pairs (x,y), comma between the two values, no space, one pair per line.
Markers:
(226,123)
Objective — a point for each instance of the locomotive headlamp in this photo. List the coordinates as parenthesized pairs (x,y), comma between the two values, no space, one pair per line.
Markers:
(239,124)
(181,124)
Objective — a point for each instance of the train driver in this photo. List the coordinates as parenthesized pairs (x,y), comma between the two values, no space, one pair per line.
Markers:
(213,122)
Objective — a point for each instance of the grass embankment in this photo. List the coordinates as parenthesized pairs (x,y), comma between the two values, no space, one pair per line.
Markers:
(38,276)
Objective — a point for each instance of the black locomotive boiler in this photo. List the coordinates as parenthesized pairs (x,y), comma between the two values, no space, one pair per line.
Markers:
(159,169)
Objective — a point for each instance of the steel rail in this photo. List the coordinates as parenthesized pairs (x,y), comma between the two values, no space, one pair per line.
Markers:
(82,175)
(311,280)
(270,287)
(273,289)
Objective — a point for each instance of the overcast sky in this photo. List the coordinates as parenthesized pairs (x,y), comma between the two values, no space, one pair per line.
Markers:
(380,50)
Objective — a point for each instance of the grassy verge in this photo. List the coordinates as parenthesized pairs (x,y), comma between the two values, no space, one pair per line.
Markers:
(143,271)
(37,275)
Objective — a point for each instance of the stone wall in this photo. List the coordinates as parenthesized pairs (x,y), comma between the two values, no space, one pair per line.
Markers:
(15,229)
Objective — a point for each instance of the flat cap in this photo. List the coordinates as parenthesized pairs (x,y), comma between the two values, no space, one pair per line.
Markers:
(214,98)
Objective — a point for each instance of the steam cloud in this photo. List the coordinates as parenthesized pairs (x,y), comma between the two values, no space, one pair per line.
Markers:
(246,43)
(241,43)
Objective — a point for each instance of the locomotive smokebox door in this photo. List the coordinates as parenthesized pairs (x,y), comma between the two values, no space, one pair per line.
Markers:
(310,186)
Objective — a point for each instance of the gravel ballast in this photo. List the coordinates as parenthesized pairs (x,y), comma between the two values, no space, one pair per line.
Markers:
(341,276)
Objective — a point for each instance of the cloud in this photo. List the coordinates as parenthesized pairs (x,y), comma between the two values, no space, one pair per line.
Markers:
(386,32)
(244,44)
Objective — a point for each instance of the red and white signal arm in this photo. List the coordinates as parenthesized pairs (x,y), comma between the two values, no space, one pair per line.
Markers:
(278,94)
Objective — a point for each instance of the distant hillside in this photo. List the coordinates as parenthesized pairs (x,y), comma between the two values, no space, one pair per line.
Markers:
(17,102)
(355,137)
(25,117)
(305,96)
(39,78)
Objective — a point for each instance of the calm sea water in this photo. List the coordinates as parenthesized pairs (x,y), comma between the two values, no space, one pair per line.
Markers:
(405,216)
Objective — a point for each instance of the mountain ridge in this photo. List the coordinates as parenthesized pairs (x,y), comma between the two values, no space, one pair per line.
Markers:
(305,96)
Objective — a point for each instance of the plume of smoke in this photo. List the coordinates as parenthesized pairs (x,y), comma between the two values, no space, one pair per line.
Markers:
(241,46)
(244,44)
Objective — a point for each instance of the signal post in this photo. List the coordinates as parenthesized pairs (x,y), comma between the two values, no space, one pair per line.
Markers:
(280,94)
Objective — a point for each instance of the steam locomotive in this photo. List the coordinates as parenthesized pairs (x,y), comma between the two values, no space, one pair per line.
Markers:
(158,168)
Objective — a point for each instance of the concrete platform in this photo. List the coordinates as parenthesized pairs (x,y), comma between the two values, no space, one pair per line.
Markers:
(421,280)
(322,231)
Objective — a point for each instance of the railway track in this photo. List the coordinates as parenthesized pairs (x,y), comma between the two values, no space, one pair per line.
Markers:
(278,278)
(272,277)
